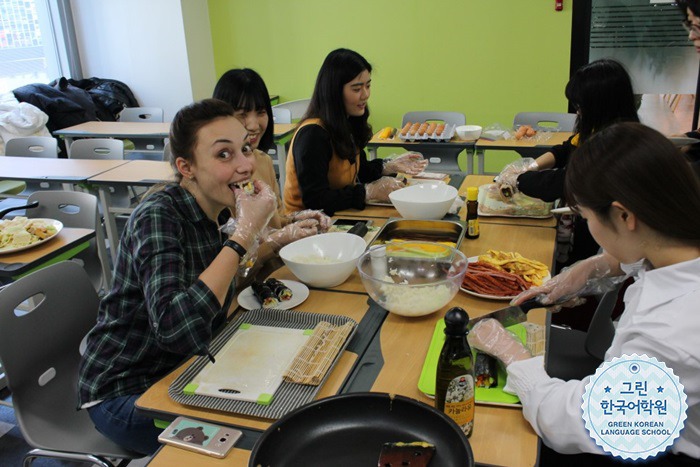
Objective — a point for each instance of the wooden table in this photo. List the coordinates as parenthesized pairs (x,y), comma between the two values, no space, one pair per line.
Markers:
(57,170)
(122,130)
(449,166)
(524,147)
(502,436)
(68,243)
(130,173)
(478,180)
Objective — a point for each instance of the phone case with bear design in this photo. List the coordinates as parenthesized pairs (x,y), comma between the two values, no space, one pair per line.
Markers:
(204,438)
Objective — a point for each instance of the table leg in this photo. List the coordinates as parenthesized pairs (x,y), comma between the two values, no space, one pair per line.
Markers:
(110,222)
(481,158)
(371,152)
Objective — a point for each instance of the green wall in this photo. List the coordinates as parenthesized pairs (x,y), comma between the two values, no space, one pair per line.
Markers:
(488,59)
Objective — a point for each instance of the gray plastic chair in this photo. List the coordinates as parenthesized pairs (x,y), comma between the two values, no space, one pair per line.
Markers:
(546,120)
(442,159)
(78,210)
(39,350)
(574,354)
(297,108)
(97,148)
(34,146)
(144,115)
(281,115)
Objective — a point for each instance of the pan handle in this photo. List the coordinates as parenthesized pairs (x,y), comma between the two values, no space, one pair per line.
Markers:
(31,205)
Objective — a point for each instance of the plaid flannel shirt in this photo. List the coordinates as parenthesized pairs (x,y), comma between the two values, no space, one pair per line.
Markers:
(157,312)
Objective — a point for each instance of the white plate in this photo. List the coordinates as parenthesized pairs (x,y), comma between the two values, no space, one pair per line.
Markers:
(57,224)
(474,259)
(300,293)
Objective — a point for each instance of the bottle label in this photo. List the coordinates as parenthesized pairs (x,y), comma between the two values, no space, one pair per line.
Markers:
(473,227)
(459,402)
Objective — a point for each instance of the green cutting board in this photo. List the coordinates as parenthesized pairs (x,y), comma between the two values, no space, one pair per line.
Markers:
(495,396)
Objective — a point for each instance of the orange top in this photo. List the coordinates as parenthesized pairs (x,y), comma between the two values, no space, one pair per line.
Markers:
(341,173)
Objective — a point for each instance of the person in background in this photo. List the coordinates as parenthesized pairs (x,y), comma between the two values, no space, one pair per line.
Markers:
(327,167)
(601,92)
(640,199)
(245,90)
(175,271)
(691,23)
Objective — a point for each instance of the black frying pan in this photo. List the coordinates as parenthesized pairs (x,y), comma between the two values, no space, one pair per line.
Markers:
(350,429)
(15,208)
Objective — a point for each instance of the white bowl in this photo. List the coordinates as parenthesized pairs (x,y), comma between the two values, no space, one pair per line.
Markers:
(468,132)
(323,260)
(424,201)
(412,278)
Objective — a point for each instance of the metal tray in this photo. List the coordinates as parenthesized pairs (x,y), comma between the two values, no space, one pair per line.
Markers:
(421,230)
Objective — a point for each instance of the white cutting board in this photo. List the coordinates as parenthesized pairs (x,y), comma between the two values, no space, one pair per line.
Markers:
(251,365)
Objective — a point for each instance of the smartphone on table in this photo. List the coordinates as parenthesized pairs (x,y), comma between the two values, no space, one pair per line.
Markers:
(202,437)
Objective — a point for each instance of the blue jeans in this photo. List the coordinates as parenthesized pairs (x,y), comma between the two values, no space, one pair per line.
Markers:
(119,421)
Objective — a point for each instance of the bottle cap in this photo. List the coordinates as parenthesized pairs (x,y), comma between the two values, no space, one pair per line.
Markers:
(472,193)
(456,321)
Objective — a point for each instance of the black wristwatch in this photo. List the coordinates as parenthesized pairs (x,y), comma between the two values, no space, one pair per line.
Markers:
(235,246)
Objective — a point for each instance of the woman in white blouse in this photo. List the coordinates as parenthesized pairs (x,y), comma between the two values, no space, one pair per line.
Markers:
(642,204)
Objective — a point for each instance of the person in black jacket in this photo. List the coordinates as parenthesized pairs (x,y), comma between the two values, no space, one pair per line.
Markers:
(602,94)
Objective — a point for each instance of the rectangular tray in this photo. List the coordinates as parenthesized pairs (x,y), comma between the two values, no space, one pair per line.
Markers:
(421,230)
(288,396)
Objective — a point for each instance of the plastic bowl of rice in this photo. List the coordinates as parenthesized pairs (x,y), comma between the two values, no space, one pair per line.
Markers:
(323,260)
(412,278)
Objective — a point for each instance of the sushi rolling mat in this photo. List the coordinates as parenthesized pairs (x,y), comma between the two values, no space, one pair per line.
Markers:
(495,396)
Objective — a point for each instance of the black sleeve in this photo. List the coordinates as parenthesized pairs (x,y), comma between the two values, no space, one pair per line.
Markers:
(370,170)
(547,185)
(312,154)
(561,153)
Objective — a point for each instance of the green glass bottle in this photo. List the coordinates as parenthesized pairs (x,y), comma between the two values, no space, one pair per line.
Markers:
(454,386)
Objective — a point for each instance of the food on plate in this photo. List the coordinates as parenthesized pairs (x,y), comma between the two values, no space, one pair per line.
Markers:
(387,132)
(422,129)
(495,202)
(406,127)
(486,279)
(21,231)
(264,294)
(431,128)
(486,371)
(415,454)
(431,176)
(439,129)
(281,291)
(530,270)
(417,250)
(414,128)
(523,131)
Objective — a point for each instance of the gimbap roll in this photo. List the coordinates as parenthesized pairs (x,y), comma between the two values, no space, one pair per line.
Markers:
(281,291)
(264,294)
(486,371)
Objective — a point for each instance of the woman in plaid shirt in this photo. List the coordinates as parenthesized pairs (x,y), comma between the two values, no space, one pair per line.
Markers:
(175,271)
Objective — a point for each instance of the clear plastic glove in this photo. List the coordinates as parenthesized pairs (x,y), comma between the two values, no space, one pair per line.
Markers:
(379,189)
(253,212)
(324,222)
(491,337)
(587,277)
(410,163)
(507,180)
(292,232)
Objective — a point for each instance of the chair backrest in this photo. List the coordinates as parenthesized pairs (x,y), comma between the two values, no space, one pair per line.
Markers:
(32,146)
(602,330)
(97,148)
(39,349)
(297,108)
(141,114)
(450,118)
(79,210)
(281,115)
(546,120)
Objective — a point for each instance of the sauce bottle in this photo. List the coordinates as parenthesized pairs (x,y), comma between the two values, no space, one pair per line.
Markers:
(454,386)
(472,213)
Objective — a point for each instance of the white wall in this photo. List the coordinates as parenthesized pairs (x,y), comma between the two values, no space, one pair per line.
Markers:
(143,44)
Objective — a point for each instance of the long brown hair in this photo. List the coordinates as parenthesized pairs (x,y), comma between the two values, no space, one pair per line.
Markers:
(640,168)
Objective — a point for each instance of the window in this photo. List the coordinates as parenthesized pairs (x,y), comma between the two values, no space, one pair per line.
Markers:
(37,42)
